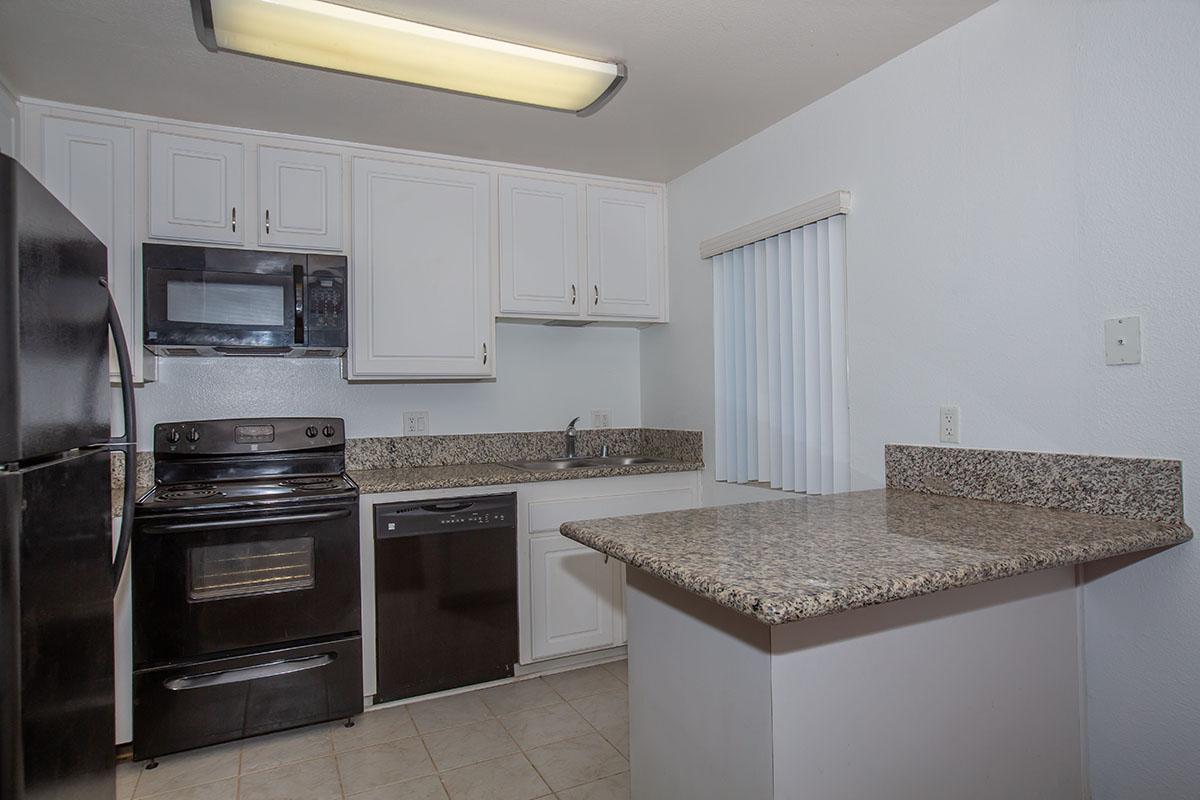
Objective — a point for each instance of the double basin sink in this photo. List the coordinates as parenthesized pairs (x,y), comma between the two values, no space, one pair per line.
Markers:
(555,464)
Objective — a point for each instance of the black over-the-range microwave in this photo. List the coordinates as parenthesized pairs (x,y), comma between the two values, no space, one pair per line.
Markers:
(215,301)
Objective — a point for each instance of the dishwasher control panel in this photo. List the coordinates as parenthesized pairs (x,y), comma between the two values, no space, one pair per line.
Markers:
(394,520)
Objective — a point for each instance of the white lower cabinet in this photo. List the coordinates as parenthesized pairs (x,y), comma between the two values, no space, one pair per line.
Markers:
(576,597)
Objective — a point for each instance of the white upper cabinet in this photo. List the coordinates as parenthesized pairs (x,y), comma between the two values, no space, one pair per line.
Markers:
(89,167)
(196,189)
(624,253)
(539,247)
(421,272)
(299,199)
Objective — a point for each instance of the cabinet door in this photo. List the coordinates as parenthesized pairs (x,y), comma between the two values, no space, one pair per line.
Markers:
(624,253)
(572,596)
(539,247)
(421,272)
(89,167)
(196,189)
(300,198)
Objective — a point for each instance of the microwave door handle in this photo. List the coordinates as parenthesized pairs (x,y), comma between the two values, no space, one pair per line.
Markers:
(298,287)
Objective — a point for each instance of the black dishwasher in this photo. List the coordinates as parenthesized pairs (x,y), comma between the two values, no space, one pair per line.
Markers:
(445,593)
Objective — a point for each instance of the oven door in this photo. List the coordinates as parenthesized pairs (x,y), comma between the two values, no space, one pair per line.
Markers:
(208,584)
(209,308)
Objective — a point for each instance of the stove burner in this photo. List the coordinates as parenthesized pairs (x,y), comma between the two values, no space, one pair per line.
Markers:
(188,487)
(318,487)
(187,494)
(313,483)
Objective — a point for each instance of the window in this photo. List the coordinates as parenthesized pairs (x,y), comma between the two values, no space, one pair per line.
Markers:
(780,345)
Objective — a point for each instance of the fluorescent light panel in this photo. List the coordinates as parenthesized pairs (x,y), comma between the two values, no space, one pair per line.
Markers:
(351,40)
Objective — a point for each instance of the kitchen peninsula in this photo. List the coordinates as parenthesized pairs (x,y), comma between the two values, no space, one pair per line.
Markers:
(862,645)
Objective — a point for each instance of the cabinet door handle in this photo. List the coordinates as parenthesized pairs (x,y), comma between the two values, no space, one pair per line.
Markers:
(572,294)
(485,353)
(233,218)
(267,215)
(595,295)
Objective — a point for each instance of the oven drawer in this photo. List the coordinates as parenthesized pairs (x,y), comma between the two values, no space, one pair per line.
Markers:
(205,585)
(206,702)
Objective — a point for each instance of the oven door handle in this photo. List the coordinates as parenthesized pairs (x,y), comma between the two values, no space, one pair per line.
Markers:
(242,674)
(242,522)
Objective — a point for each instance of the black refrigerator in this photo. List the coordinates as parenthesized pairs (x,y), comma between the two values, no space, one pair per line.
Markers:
(57,566)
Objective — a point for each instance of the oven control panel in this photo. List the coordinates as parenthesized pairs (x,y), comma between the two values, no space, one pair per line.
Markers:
(261,435)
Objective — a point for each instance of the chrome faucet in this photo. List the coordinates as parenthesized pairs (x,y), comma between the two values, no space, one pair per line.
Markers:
(569,435)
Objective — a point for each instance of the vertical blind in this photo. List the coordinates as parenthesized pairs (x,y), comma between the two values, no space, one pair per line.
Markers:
(780,342)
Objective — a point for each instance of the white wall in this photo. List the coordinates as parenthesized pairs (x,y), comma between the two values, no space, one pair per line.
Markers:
(8,120)
(546,376)
(1016,180)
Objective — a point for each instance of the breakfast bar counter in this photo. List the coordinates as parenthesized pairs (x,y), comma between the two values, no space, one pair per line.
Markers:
(887,643)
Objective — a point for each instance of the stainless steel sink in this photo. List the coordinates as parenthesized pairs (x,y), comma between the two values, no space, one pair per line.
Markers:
(556,464)
(552,465)
(624,461)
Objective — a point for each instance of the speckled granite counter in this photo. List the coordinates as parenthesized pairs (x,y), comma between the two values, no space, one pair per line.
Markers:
(455,476)
(790,559)
(460,461)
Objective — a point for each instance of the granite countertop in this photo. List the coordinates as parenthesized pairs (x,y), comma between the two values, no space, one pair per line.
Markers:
(455,476)
(781,561)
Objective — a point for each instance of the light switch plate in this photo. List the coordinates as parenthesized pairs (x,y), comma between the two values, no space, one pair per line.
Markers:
(948,424)
(1123,341)
(601,418)
(416,423)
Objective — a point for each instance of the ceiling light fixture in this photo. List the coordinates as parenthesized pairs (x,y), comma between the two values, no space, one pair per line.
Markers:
(344,39)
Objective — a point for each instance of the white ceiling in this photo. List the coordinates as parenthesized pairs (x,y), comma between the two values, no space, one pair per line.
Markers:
(703,74)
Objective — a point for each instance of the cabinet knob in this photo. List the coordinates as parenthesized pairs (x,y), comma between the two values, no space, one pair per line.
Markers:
(595,295)
(267,217)
(485,352)
(572,294)
(233,218)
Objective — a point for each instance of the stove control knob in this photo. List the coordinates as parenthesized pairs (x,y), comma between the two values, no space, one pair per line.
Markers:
(193,435)
(329,431)
(173,435)
(311,431)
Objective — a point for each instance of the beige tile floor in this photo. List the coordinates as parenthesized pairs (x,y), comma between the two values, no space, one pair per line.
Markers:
(563,736)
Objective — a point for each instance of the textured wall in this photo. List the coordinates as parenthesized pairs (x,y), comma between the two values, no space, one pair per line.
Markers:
(545,376)
(1016,179)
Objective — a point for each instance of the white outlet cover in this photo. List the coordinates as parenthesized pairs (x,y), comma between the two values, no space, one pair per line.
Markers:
(948,424)
(1122,341)
(416,423)
(601,418)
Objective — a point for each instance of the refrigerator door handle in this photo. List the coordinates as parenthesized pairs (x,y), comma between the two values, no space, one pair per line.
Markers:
(126,442)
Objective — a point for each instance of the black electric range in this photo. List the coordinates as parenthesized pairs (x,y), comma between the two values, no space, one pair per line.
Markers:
(246,603)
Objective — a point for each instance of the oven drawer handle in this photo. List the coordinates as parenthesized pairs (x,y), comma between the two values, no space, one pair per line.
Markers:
(242,674)
(242,522)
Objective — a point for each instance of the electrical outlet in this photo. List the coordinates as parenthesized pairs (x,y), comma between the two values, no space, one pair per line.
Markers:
(948,425)
(416,423)
(601,418)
